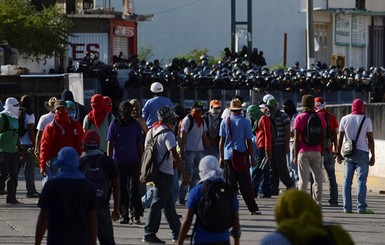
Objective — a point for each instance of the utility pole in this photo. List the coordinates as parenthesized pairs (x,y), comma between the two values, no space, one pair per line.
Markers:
(234,24)
(310,34)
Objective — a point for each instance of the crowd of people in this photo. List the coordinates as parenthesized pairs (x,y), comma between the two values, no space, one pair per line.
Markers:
(250,148)
(243,70)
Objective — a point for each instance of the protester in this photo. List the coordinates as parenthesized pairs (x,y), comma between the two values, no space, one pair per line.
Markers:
(27,144)
(154,104)
(9,155)
(67,205)
(260,175)
(209,170)
(43,121)
(240,140)
(213,120)
(91,160)
(291,110)
(194,141)
(162,199)
(299,221)
(331,148)
(137,115)
(125,146)
(309,157)
(99,119)
(278,166)
(60,132)
(81,111)
(359,161)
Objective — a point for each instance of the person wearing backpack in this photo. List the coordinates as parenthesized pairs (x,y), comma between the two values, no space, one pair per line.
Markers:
(168,157)
(27,144)
(194,141)
(9,154)
(213,120)
(309,138)
(60,132)
(103,172)
(331,148)
(99,119)
(215,205)
(125,146)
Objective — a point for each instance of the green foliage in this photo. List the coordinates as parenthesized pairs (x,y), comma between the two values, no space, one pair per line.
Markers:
(278,66)
(145,53)
(36,35)
(195,54)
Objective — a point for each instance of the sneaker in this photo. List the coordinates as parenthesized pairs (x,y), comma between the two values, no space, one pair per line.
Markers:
(366,211)
(136,221)
(3,192)
(348,211)
(256,212)
(124,221)
(33,195)
(152,240)
(14,202)
(175,240)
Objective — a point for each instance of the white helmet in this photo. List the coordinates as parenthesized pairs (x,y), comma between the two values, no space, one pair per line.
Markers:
(156,87)
(267,97)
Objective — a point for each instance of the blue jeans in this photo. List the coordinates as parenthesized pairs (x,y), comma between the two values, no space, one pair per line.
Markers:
(293,168)
(329,165)
(162,200)
(359,162)
(260,177)
(29,171)
(191,164)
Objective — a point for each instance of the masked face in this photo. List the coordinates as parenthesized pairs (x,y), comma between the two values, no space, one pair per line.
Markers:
(215,111)
(72,114)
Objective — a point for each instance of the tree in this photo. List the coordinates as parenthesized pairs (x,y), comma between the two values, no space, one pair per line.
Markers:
(37,35)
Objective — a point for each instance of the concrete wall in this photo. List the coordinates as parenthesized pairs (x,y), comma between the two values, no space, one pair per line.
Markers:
(376,113)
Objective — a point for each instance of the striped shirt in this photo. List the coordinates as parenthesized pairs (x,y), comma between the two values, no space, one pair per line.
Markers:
(281,120)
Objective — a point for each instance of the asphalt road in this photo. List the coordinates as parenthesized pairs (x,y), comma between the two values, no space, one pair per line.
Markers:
(17,223)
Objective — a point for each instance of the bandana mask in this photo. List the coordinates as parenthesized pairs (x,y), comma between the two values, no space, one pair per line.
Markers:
(215,112)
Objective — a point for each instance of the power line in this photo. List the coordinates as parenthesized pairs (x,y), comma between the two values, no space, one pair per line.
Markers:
(176,8)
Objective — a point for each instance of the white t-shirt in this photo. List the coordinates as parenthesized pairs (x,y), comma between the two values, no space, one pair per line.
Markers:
(349,125)
(194,141)
(165,142)
(29,119)
(44,120)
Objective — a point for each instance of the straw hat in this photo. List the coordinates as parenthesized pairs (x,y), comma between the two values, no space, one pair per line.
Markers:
(50,104)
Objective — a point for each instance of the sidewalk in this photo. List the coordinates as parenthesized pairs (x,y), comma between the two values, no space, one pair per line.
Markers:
(17,223)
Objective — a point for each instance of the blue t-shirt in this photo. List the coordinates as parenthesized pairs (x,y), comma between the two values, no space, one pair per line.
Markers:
(126,139)
(68,202)
(150,108)
(201,234)
(241,131)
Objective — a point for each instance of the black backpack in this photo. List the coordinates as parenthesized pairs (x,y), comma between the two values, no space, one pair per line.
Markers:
(95,173)
(22,129)
(312,134)
(6,123)
(215,210)
(150,167)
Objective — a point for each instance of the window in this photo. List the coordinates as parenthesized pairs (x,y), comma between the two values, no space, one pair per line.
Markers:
(360,4)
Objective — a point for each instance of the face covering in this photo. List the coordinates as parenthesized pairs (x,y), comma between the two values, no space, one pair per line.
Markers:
(72,114)
(10,109)
(215,112)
